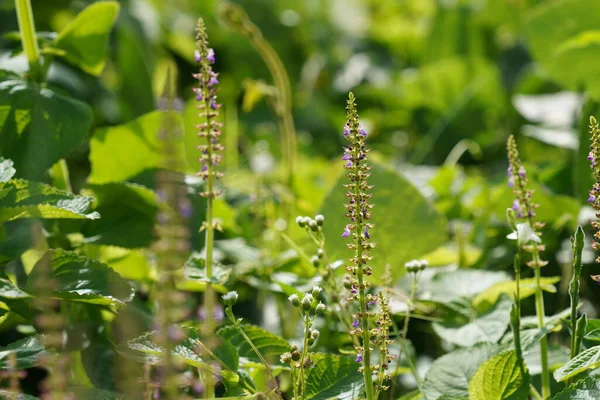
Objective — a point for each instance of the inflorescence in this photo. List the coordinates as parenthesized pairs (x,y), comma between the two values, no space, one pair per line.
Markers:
(594,199)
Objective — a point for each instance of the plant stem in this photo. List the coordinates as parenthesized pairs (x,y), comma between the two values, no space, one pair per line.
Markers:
(304,354)
(539,307)
(577,243)
(28,37)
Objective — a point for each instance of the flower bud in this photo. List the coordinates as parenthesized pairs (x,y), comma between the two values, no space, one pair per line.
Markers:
(315,261)
(296,355)
(230,298)
(319,219)
(316,291)
(294,300)
(310,341)
(320,309)
(300,221)
(314,334)
(320,252)
(307,302)
(312,224)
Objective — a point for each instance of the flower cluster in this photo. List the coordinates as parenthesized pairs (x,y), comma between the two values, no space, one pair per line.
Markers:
(380,337)
(594,199)
(206,96)
(523,205)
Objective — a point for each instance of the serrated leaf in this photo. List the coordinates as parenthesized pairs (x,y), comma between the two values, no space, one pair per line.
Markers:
(195,270)
(400,236)
(85,39)
(584,389)
(527,288)
(450,374)
(486,327)
(500,378)
(37,200)
(189,350)
(587,359)
(333,377)
(268,344)
(27,351)
(80,279)
(111,152)
(38,126)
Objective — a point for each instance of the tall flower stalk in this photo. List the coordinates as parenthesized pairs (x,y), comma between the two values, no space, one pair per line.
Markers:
(358,212)
(210,156)
(529,240)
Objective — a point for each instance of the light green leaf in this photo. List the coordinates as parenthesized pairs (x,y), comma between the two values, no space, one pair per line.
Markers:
(587,359)
(450,374)
(85,39)
(38,126)
(80,279)
(8,395)
(406,225)
(122,152)
(461,284)
(26,351)
(527,288)
(486,327)
(584,389)
(268,344)
(333,377)
(500,378)
(592,330)
(37,200)
(414,395)
(195,270)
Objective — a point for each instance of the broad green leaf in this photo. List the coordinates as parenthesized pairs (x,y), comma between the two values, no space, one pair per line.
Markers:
(587,359)
(527,288)
(38,126)
(500,378)
(130,264)
(563,37)
(406,225)
(238,383)
(189,350)
(37,200)
(486,327)
(128,215)
(557,355)
(584,389)
(461,284)
(333,377)
(450,374)
(27,352)
(268,344)
(122,152)
(85,39)
(592,330)
(195,270)
(80,279)
(14,298)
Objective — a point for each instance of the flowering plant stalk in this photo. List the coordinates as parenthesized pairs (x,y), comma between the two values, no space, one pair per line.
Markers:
(528,239)
(358,212)
(209,129)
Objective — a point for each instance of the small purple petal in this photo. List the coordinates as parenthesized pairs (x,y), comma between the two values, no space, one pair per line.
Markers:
(213,81)
(359,357)
(590,157)
(346,232)
(511,182)
(509,171)
(592,198)
(197,56)
(199,96)
(346,131)
(516,206)
(363,132)
(346,157)
(213,105)
(211,56)
(366,233)
(522,172)
(349,164)
(204,168)
(355,323)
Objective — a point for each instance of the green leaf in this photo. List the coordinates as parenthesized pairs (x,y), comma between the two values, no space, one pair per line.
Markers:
(8,395)
(333,377)
(195,270)
(450,374)
(449,286)
(406,225)
(85,39)
(592,330)
(500,378)
(37,200)
(527,288)
(27,351)
(95,394)
(587,359)
(584,389)
(128,216)
(414,395)
(80,279)
(38,126)
(486,327)
(122,152)
(268,344)
(238,383)
(188,350)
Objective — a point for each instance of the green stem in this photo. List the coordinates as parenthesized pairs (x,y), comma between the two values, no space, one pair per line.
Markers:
(304,354)
(577,243)
(534,393)
(28,37)
(539,307)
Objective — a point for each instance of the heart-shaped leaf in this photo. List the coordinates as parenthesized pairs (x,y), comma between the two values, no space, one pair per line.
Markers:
(500,378)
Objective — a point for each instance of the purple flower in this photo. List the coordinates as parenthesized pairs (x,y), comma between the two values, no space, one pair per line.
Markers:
(346,156)
(363,132)
(359,357)
(592,198)
(515,205)
(346,232)
(199,96)
(213,105)
(197,56)
(366,233)
(204,168)
(509,171)
(511,182)
(353,290)
(349,164)
(522,172)
(590,157)
(213,81)
(346,131)
(211,56)
(355,323)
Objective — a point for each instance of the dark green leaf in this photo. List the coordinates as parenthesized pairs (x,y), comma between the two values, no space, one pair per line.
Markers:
(195,270)
(333,377)
(27,351)
(584,389)
(268,344)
